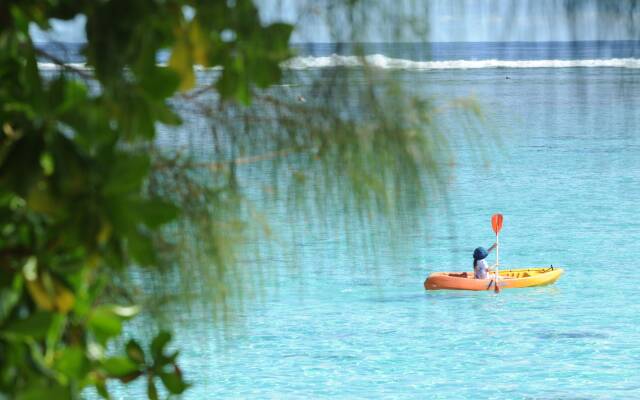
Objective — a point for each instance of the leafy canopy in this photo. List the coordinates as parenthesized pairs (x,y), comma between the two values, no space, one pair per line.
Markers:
(73,165)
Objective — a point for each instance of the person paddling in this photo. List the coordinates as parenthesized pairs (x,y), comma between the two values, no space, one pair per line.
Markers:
(480,267)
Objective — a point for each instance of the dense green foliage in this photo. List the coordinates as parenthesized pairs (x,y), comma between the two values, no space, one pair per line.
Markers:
(74,210)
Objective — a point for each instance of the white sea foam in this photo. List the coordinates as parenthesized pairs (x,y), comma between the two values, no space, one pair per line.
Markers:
(384,62)
(52,66)
(84,67)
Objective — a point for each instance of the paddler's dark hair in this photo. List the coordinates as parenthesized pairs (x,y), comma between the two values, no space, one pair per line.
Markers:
(479,254)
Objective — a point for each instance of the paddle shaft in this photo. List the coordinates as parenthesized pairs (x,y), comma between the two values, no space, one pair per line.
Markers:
(497,289)
(496,224)
(497,251)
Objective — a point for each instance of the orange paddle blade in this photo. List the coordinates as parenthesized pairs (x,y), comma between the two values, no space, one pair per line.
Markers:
(496,222)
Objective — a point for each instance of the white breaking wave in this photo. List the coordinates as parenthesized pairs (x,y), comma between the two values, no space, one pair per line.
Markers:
(84,67)
(52,66)
(384,62)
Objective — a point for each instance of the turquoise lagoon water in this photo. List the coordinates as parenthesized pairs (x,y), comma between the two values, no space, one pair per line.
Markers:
(346,323)
(560,159)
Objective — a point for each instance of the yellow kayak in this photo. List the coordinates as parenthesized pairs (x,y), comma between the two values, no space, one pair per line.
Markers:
(510,278)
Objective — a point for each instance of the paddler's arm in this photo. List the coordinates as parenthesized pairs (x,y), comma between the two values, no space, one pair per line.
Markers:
(493,246)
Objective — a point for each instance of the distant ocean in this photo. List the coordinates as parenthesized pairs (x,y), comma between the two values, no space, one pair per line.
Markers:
(455,55)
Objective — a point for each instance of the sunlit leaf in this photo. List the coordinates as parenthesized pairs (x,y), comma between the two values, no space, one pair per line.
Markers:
(72,362)
(56,297)
(199,43)
(104,323)
(125,311)
(9,297)
(64,298)
(181,62)
(47,163)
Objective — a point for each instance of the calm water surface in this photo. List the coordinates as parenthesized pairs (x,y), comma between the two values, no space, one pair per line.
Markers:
(561,161)
(566,176)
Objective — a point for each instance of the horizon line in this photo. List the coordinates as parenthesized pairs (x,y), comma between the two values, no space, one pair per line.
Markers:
(419,42)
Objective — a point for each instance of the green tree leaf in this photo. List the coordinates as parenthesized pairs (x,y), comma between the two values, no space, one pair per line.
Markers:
(104,323)
(158,344)
(141,248)
(42,391)
(127,174)
(182,63)
(173,382)
(155,213)
(47,163)
(33,327)
(101,388)
(160,83)
(72,362)
(120,367)
(9,294)
(135,352)
(152,391)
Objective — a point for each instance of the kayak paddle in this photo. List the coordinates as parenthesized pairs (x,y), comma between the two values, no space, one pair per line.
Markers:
(496,224)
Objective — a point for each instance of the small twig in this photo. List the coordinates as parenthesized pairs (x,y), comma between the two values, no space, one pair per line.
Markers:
(197,92)
(217,166)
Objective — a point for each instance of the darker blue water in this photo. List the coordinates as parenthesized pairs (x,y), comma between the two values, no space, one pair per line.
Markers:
(578,50)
